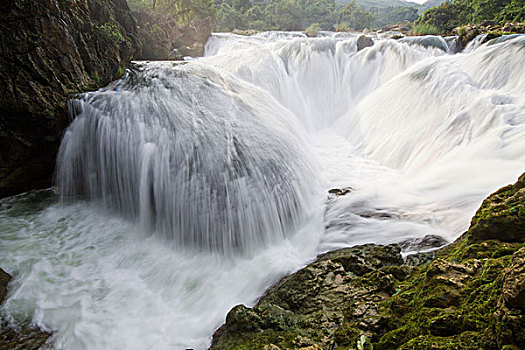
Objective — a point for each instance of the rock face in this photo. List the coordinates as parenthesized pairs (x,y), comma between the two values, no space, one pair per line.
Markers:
(163,39)
(51,50)
(468,295)
(4,281)
(21,338)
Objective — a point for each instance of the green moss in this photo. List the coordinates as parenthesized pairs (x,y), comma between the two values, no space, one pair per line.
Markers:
(258,341)
(111,32)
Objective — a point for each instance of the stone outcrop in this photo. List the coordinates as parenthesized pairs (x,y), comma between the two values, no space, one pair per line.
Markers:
(493,30)
(163,39)
(51,50)
(468,295)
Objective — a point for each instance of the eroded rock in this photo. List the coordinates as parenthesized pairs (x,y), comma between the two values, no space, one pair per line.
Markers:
(514,285)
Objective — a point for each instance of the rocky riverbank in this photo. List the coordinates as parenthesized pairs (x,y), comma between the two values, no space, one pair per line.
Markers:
(491,30)
(468,295)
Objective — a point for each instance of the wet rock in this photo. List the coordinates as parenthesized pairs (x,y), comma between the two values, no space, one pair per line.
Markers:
(468,296)
(502,215)
(419,259)
(337,192)
(490,29)
(22,337)
(4,281)
(363,42)
(331,301)
(423,243)
(514,285)
(426,41)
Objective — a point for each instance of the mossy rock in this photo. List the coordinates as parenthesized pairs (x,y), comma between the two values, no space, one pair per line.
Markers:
(469,296)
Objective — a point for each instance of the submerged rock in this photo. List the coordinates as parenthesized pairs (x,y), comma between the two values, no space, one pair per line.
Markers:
(337,192)
(427,41)
(22,337)
(470,295)
(424,243)
(363,42)
(4,281)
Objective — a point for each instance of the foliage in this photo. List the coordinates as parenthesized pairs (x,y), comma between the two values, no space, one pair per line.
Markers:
(425,29)
(274,15)
(183,10)
(461,12)
(355,16)
(289,15)
(392,14)
(111,32)
(313,29)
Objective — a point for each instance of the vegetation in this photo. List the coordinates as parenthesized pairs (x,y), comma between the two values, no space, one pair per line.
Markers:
(184,11)
(425,29)
(393,14)
(300,14)
(452,14)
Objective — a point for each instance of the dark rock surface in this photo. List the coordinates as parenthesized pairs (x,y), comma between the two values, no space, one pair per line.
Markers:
(51,50)
(363,42)
(4,281)
(467,295)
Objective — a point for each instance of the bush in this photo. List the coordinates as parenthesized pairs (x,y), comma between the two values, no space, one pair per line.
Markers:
(313,29)
(425,29)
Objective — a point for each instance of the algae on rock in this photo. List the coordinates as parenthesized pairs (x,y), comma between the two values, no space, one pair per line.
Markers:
(469,296)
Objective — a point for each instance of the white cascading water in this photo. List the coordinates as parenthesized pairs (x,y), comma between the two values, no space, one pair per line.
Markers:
(186,189)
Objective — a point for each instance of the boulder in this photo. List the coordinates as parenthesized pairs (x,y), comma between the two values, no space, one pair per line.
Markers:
(363,42)
(502,215)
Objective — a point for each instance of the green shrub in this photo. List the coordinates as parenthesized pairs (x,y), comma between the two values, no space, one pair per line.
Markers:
(111,32)
(425,29)
(313,29)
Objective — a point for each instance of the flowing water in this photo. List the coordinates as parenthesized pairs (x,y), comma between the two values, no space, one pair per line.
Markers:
(187,188)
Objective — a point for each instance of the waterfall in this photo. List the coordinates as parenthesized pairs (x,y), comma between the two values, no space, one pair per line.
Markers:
(186,188)
(188,154)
